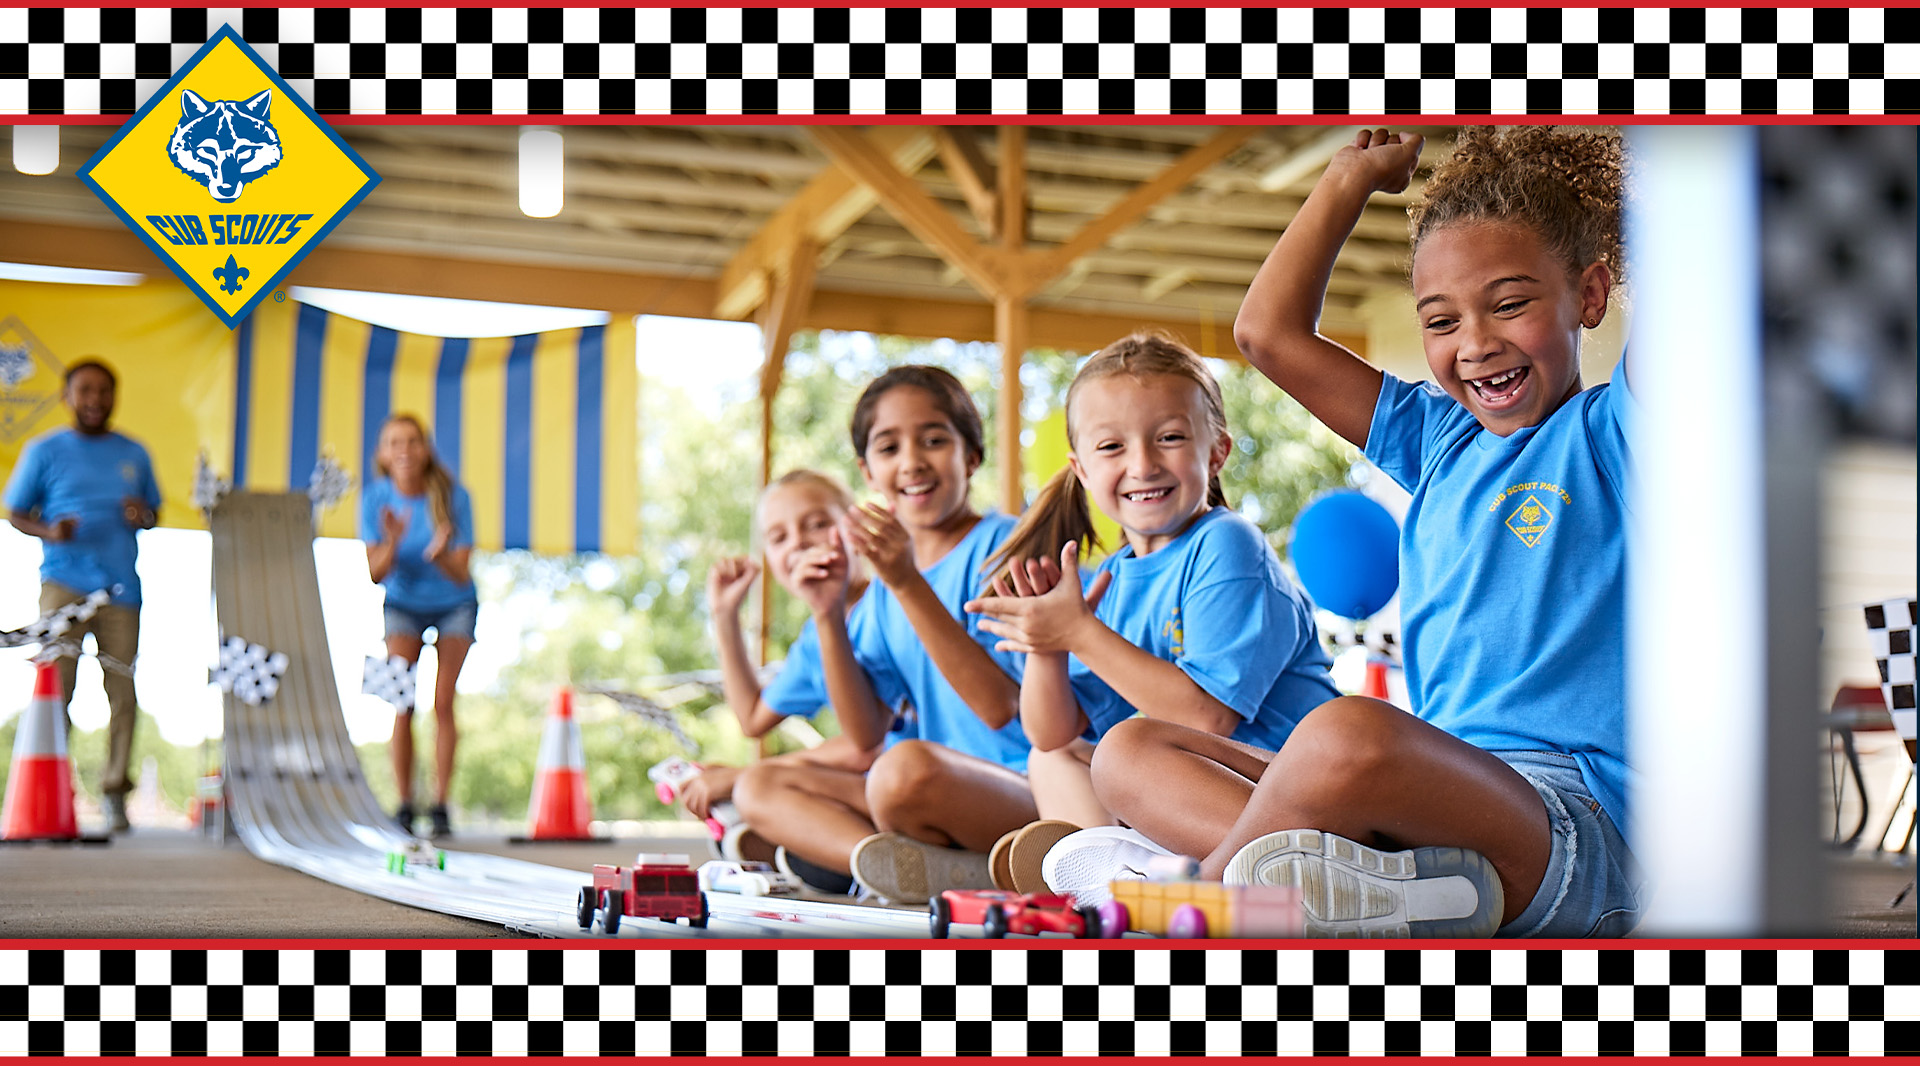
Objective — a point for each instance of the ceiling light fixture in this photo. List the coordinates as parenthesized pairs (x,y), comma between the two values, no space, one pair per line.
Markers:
(542,172)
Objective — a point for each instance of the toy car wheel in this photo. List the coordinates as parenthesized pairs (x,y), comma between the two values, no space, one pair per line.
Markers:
(587,907)
(439,860)
(616,903)
(700,921)
(1090,921)
(396,862)
(1187,923)
(996,922)
(939,917)
(1114,919)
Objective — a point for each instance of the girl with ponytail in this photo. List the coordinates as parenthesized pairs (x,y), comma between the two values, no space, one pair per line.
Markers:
(1189,621)
(418,526)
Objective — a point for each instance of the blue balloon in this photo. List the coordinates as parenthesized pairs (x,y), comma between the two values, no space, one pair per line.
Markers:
(1346,549)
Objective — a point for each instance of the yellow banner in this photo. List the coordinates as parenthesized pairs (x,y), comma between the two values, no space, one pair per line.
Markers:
(539,428)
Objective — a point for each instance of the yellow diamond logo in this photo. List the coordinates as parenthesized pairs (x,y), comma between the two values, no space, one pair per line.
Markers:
(1530,520)
(228,176)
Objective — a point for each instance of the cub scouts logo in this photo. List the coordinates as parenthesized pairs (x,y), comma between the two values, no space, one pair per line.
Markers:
(228,176)
(1530,520)
(30,381)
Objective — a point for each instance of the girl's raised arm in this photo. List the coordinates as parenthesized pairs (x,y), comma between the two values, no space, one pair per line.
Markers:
(1278,325)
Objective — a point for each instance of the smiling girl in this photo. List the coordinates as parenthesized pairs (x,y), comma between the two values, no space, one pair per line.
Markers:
(1501,803)
(932,805)
(1191,621)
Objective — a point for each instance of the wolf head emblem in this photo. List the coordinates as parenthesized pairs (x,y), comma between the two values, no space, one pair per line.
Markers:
(225,144)
(16,364)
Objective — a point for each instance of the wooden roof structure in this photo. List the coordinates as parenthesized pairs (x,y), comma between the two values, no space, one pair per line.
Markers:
(1033,236)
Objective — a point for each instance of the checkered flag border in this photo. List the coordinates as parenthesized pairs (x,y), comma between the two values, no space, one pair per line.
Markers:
(999,999)
(858,60)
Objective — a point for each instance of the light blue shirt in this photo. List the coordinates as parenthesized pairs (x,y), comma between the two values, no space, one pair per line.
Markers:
(896,657)
(1215,603)
(1513,574)
(65,473)
(416,584)
(801,685)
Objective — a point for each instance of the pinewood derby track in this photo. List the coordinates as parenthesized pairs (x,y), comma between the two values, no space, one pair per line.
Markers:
(297,795)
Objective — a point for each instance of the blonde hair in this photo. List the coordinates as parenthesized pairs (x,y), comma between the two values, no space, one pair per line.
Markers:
(439,482)
(1566,185)
(1060,513)
(827,483)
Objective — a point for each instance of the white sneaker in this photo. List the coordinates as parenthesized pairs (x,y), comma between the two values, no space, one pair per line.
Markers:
(1082,863)
(1351,890)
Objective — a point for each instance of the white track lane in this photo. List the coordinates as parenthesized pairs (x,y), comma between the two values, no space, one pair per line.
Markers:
(298,797)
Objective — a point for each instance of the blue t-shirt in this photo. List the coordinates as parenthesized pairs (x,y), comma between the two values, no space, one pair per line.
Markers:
(416,584)
(1216,604)
(896,658)
(801,685)
(66,473)
(1513,574)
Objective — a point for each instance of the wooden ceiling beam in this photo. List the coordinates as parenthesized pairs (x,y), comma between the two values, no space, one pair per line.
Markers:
(971,173)
(903,197)
(1040,268)
(821,211)
(847,306)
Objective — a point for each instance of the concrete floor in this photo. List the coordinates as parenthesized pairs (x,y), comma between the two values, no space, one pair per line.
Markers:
(173,884)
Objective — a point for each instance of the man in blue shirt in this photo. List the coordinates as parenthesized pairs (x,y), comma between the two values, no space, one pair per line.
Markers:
(85,491)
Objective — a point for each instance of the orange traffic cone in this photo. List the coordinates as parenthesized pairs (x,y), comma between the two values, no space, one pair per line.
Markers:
(559,808)
(39,803)
(1375,684)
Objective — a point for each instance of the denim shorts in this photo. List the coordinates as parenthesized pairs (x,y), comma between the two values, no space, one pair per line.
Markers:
(456,621)
(1593,886)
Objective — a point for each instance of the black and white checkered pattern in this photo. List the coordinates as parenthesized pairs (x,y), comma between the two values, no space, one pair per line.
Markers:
(251,672)
(328,482)
(1890,635)
(999,60)
(1008,1000)
(390,679)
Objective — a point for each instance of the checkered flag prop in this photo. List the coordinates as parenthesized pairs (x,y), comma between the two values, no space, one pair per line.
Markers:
(52,628)
(327,484)
(249,671)
(1890,632)
(647,709)
(208,487)
(389,679)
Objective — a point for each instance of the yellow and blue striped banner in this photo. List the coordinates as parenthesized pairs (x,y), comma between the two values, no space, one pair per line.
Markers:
(541,429)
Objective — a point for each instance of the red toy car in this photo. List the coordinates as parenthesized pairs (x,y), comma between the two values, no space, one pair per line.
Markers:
(657,886)
(1010,912)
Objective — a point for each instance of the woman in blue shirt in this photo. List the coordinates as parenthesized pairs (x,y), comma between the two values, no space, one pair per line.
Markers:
(418,525)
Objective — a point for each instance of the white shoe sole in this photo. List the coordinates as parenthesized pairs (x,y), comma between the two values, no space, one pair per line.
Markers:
(1083,864)
(1351,890)
(904,870)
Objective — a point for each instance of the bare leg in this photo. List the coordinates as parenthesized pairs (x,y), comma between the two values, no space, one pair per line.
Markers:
(1141,762)
(1373,773)
(400,748)
(937,795)
(817,812)
(452,652)
(1062,781)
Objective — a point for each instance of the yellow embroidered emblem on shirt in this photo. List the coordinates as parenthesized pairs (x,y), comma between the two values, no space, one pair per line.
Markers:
(1530,520)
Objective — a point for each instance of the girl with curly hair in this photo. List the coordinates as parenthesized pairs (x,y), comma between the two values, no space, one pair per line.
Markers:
(1501,803)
